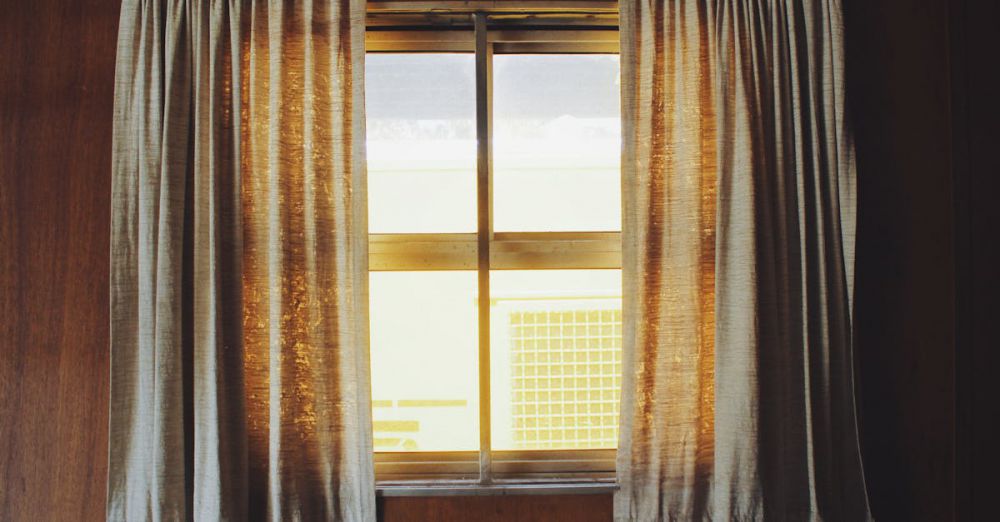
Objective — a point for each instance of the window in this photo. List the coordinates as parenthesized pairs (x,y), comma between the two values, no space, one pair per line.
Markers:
(495,252)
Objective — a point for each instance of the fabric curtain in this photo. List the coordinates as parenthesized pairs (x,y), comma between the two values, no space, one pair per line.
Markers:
(738,252)
(240,385)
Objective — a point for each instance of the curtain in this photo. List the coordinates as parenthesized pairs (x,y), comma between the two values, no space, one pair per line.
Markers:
(239,263)
(738,253)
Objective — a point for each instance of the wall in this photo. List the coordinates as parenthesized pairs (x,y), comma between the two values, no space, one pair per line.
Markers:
(976,113)
(899,96)
(541,508)
(57,71)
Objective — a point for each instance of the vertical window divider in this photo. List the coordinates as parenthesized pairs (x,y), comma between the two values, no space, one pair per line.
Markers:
(484,210)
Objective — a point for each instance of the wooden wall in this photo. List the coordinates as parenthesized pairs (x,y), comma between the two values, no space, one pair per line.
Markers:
(921,148)
(923,84)
(56,90)
(976,114)
(533,508)
(899,96)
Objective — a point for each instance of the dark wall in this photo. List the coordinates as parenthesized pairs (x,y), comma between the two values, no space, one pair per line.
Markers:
(899,97)
(922,88)
(923,84)
(976,114)
(56,90)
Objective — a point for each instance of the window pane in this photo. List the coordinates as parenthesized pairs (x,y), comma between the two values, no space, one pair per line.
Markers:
(424,361)
(557,144)
(556,358)
(421,118)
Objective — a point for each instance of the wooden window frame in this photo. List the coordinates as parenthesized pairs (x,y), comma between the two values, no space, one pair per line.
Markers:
(484,29)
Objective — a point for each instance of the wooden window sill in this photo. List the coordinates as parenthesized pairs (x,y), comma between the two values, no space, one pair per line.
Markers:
(446,489)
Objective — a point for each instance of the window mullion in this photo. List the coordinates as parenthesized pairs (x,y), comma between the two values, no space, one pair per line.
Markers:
(484,206)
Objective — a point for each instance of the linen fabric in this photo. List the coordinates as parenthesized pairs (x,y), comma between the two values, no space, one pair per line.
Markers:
(738,252)
(240,381)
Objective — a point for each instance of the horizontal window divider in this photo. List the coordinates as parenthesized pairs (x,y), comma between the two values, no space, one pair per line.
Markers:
(379,238)
(511,464)
(508,251)
(471,456)
(555,246)
(414,262)
(555,260)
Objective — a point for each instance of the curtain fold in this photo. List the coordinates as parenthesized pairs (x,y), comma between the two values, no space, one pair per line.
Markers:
(240,385)
(738,252)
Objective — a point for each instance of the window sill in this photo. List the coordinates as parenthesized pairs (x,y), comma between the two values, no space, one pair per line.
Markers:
(448,489)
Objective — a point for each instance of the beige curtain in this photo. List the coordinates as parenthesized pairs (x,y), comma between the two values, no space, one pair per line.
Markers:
(739,200)
(239,263)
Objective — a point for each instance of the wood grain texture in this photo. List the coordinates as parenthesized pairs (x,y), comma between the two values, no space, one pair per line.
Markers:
(523,508)
(57,70)
(898,94)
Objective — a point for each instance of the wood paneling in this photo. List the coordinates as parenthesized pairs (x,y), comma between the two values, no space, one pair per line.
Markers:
(899,96)
(526,508)
(976,113)
(56,91)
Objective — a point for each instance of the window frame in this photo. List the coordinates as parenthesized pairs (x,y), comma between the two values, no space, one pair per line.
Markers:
(469,27)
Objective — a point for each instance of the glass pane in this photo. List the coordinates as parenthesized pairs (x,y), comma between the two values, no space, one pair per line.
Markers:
(425,362)
(421,118)
(557,143)
(556,338)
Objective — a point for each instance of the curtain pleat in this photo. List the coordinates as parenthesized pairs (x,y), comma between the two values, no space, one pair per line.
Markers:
(668,258)
(738,253)
(240,385)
